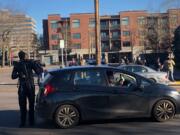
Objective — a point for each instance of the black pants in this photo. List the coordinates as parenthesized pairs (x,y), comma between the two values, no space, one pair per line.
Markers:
(25,93)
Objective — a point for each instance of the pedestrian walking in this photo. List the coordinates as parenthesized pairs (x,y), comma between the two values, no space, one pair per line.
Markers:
(169,67)
(158,65)
(121,61)
(73,62)
(82,61)
(126,60)
(139,61)
(23,70)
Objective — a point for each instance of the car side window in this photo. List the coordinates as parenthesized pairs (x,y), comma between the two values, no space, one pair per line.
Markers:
(119,79)
(128,68)
(61,78)
(139,69)
(89,77)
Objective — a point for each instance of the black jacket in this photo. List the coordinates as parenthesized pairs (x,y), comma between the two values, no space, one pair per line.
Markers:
(23,70)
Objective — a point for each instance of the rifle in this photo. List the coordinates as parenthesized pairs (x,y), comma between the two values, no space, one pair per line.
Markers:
(27,77)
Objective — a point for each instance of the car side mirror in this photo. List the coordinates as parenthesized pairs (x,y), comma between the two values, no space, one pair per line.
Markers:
(137,87)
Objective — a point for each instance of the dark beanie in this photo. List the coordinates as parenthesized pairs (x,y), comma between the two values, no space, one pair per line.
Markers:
(21,55)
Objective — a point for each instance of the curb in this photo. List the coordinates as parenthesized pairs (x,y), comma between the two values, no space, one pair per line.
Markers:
(176,83)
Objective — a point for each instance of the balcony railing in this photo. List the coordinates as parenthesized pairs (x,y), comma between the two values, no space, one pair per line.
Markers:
(117,37)
(105,38)
(104,27)
(115,26)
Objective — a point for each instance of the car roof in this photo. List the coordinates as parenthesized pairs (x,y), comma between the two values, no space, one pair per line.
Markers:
(150,69)
(81,67)
(101,67)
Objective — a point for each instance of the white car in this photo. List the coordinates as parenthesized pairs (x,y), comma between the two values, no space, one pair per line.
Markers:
(156,76)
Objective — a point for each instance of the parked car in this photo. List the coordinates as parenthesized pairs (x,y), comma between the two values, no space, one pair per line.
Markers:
(156,76)
(74,94)
(93,61)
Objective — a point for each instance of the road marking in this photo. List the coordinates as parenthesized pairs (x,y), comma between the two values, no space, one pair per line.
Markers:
(176,83)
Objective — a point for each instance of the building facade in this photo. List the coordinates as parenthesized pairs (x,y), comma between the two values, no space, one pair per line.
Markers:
(130,33)
(18,32)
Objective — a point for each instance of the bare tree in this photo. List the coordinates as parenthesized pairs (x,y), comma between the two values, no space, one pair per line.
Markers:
(7,24)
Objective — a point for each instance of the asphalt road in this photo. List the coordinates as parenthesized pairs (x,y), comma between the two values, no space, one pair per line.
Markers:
(9,119)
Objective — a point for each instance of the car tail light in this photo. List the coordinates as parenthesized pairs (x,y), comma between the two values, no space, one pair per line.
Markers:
(48,89)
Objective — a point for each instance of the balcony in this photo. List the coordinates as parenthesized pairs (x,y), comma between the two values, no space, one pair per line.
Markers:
(104,27)
(105,38)
(115,27)
(116,37)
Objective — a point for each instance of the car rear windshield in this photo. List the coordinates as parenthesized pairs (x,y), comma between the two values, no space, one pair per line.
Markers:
(46,79)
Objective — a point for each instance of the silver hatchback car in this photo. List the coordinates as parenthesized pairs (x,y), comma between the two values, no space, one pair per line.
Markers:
(156,76)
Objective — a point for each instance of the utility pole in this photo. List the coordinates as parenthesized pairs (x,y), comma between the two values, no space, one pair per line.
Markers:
(97,33)
(66,40)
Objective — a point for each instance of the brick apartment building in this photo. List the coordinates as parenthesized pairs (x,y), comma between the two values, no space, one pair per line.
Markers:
(129,33)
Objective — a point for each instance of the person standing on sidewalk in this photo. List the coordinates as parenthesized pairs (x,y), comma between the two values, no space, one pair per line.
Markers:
(23,70)
(158,65)
(169,67)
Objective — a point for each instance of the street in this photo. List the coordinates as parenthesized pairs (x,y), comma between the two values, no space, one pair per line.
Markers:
(9,120)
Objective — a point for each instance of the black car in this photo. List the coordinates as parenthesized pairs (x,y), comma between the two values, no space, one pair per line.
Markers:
(70,95)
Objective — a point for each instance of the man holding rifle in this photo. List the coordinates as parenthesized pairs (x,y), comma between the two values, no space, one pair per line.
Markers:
(23,70)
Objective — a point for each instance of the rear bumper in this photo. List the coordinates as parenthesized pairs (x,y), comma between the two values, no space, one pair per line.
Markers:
(44,109)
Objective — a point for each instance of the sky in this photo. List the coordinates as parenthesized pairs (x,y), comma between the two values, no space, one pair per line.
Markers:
(39,9)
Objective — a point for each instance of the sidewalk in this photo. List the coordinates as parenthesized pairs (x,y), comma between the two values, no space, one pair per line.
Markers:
(176,77)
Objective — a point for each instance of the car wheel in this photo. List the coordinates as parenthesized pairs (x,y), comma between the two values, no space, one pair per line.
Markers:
(152,79)
(66,116)
(163,111)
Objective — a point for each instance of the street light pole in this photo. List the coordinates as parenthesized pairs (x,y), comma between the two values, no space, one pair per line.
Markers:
(97,33)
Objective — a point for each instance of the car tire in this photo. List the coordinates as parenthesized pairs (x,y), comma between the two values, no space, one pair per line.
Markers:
(152,79)
(163,110)
(66,116)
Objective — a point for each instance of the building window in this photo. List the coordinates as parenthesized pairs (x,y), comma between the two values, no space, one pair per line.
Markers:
(115,22)
(55,47)
(126,33)
(76,23)
(54,24)
(125,21)
(104,35)
(141,20)
(115,34)
(91,22)
(28,20)
(126,44)
(28,25)
(76,46)
(76,36)
(164,21)
(174,19)
(105,46)
(152,21)
(54,37)
(104,23)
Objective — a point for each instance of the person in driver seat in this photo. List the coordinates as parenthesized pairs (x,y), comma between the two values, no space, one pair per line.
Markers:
(121,81)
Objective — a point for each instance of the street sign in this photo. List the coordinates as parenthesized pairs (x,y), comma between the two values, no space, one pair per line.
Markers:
(61,44)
